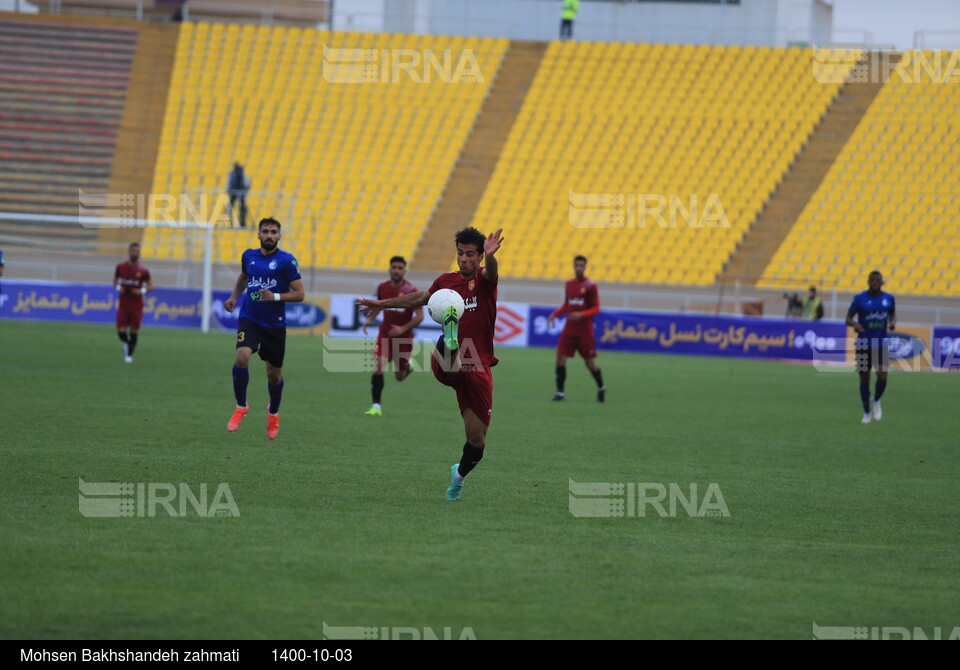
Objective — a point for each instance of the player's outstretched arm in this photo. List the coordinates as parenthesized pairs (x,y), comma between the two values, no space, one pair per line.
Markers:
(491,268)
(407,301)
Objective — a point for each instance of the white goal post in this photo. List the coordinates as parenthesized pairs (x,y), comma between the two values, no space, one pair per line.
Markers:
(63,221)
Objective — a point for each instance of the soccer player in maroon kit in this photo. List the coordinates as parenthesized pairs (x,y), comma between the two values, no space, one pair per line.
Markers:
(582,303)
(133,283)
(464,356)
(395,339)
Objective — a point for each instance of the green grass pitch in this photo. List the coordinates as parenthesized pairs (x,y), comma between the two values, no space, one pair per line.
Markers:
(342,518)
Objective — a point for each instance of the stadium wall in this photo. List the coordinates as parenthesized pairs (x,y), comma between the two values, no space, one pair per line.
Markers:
(749,22)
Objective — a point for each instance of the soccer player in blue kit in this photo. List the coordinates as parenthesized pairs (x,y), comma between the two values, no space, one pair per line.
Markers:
(268,277)
(876,313)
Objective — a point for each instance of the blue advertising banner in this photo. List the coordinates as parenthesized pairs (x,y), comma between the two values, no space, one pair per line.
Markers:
(946,347)
(702,335)
(95,303)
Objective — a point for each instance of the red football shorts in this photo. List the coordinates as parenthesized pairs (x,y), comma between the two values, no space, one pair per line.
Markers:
(129,313)
(398,349)
(474,388)
(570,343)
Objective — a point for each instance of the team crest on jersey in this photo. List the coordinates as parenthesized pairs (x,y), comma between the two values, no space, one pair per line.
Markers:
(583,290)
(884,300)
(470,285)
(273,265)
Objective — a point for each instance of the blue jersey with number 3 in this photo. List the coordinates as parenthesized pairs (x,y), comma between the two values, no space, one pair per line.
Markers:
(873,313)
(274,273)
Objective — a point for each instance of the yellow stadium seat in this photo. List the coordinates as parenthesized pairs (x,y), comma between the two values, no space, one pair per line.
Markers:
(893,183)
(319,153)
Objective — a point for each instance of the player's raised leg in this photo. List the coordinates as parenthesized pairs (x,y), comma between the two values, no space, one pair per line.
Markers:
(241,377)
(450,321)
(275,388)
(446,363)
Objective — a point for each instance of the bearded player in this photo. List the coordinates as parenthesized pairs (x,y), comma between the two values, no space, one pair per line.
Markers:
(581,303)
(395,339)
(463,358)
(269,277)
(133,282)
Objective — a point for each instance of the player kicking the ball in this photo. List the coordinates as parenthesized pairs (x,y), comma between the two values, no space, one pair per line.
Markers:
(268,278)
(463,358)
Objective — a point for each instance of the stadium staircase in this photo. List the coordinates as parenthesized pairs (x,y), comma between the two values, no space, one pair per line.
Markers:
(141,125)
(479,156)
(783,209)
(62,88)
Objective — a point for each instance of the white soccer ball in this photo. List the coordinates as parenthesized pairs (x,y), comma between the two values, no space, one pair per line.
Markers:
(442,299)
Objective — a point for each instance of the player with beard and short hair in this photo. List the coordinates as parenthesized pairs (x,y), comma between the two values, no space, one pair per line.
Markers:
(464,358)
(133,282)
(268,278)
(876,313)
(395,338)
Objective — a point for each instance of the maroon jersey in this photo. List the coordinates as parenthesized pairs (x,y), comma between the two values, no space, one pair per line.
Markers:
(480,317)
(579,296)
(129,277)
(395,316)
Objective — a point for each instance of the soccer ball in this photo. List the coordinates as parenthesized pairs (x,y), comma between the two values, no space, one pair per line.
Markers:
(442,299)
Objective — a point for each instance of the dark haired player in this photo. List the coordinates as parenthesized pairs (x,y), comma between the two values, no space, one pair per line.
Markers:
(581,303)
(268,278)
(464,356)
(133,282)
(395,338)
(876,313)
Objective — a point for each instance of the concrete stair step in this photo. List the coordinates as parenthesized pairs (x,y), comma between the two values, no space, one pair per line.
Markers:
(479,156)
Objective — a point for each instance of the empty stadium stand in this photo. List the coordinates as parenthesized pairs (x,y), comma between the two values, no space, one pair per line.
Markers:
(62,90)
(354,172)
(636,120)
(889,201)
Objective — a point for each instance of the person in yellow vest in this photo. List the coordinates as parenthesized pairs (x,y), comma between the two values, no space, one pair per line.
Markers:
(812,306)
(570,9)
